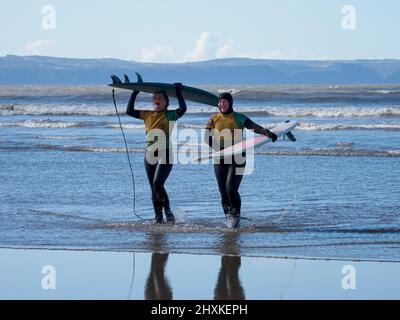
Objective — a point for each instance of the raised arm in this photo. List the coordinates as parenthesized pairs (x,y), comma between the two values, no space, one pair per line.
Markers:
(181,101)
(249,124)
(130,109)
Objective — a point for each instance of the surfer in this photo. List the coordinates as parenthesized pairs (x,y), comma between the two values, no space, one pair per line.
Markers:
(158,158)
(226,171)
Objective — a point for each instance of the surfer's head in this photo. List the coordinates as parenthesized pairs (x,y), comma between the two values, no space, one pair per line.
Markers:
(225,103)
(160,100)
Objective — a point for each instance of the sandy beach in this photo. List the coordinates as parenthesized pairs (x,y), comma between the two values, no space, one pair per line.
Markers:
(71,274)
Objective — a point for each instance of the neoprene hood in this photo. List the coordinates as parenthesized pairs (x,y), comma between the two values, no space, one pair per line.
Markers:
(227,96)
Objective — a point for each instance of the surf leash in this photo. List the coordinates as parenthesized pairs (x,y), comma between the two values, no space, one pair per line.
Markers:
(128,157)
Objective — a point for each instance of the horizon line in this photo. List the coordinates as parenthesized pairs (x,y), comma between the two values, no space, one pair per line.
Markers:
(199,61)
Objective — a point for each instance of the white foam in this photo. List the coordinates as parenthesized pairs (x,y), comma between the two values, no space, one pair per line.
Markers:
(265,110)
(383,91)
(394,152)
(49,109)
(60,137)
(191,126)
(232,91)
(334,127)
(319,112)
(91,149)
(44,123)
(126,126)
(339,151)
(333,112)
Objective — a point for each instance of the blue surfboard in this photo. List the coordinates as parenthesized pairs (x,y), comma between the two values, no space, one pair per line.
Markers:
(189,93)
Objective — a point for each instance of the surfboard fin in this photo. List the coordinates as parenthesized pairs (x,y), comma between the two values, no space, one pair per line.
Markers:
(290,136)
(126,78)
(115,79)
(139,77)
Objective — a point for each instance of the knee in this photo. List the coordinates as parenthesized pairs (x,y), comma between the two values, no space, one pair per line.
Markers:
(233,193)
(157,187)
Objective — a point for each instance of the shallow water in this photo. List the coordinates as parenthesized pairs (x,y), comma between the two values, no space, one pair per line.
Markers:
(65,181)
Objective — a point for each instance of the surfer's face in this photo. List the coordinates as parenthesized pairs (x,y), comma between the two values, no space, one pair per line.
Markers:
(223,105)
(159,102)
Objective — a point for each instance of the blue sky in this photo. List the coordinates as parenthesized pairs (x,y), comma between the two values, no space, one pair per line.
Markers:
(178,30)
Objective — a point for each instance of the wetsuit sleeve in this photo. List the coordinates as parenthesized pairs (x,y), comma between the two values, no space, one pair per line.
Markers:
(130,109)
(208,135)
(249,124)
(181,101)
(260,130)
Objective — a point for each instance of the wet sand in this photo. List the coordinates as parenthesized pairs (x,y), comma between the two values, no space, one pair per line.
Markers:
(74,274)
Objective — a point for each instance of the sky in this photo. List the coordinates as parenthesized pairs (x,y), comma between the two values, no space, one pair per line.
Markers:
(192,30)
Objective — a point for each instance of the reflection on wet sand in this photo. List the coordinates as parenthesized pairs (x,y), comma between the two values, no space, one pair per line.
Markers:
(228,285)
(157,285)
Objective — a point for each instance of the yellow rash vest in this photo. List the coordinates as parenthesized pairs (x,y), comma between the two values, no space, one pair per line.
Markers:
(164,121)
(228,128)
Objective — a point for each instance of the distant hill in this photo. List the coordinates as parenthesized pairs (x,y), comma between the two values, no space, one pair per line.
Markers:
(51,70)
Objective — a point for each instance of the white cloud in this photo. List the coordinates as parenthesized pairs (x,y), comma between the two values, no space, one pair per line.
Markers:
(39,47)
(206,47)
(226,50)
(157,53)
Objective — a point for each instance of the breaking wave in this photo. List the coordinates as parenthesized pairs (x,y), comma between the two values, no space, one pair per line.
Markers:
(341,150)
(299,112)
(43,123)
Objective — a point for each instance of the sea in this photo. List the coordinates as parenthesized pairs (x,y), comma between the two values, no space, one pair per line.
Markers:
(66,183)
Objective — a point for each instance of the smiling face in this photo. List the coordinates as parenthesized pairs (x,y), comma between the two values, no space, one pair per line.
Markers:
(223,105)
(159,102)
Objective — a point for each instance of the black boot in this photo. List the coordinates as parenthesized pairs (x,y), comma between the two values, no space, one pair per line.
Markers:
(158,217)
(226,208)
(233,218)
(169,215)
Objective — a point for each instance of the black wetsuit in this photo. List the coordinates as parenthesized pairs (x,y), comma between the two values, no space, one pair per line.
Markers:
(158,171)
(229,172)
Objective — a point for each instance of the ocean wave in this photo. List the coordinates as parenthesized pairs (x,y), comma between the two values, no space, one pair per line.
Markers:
(365,94)
(312,94)
(71,137)
(384,91)
(191,126)
(264,110)
(57,110)
(89,149)
(345,150)
(126,126)
(232,91)
(331,112)
(303,126)
(335,127)
(335,152)
(43,123)
(318,127)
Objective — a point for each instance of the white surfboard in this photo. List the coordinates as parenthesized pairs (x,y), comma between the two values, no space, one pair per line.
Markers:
(280,130)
